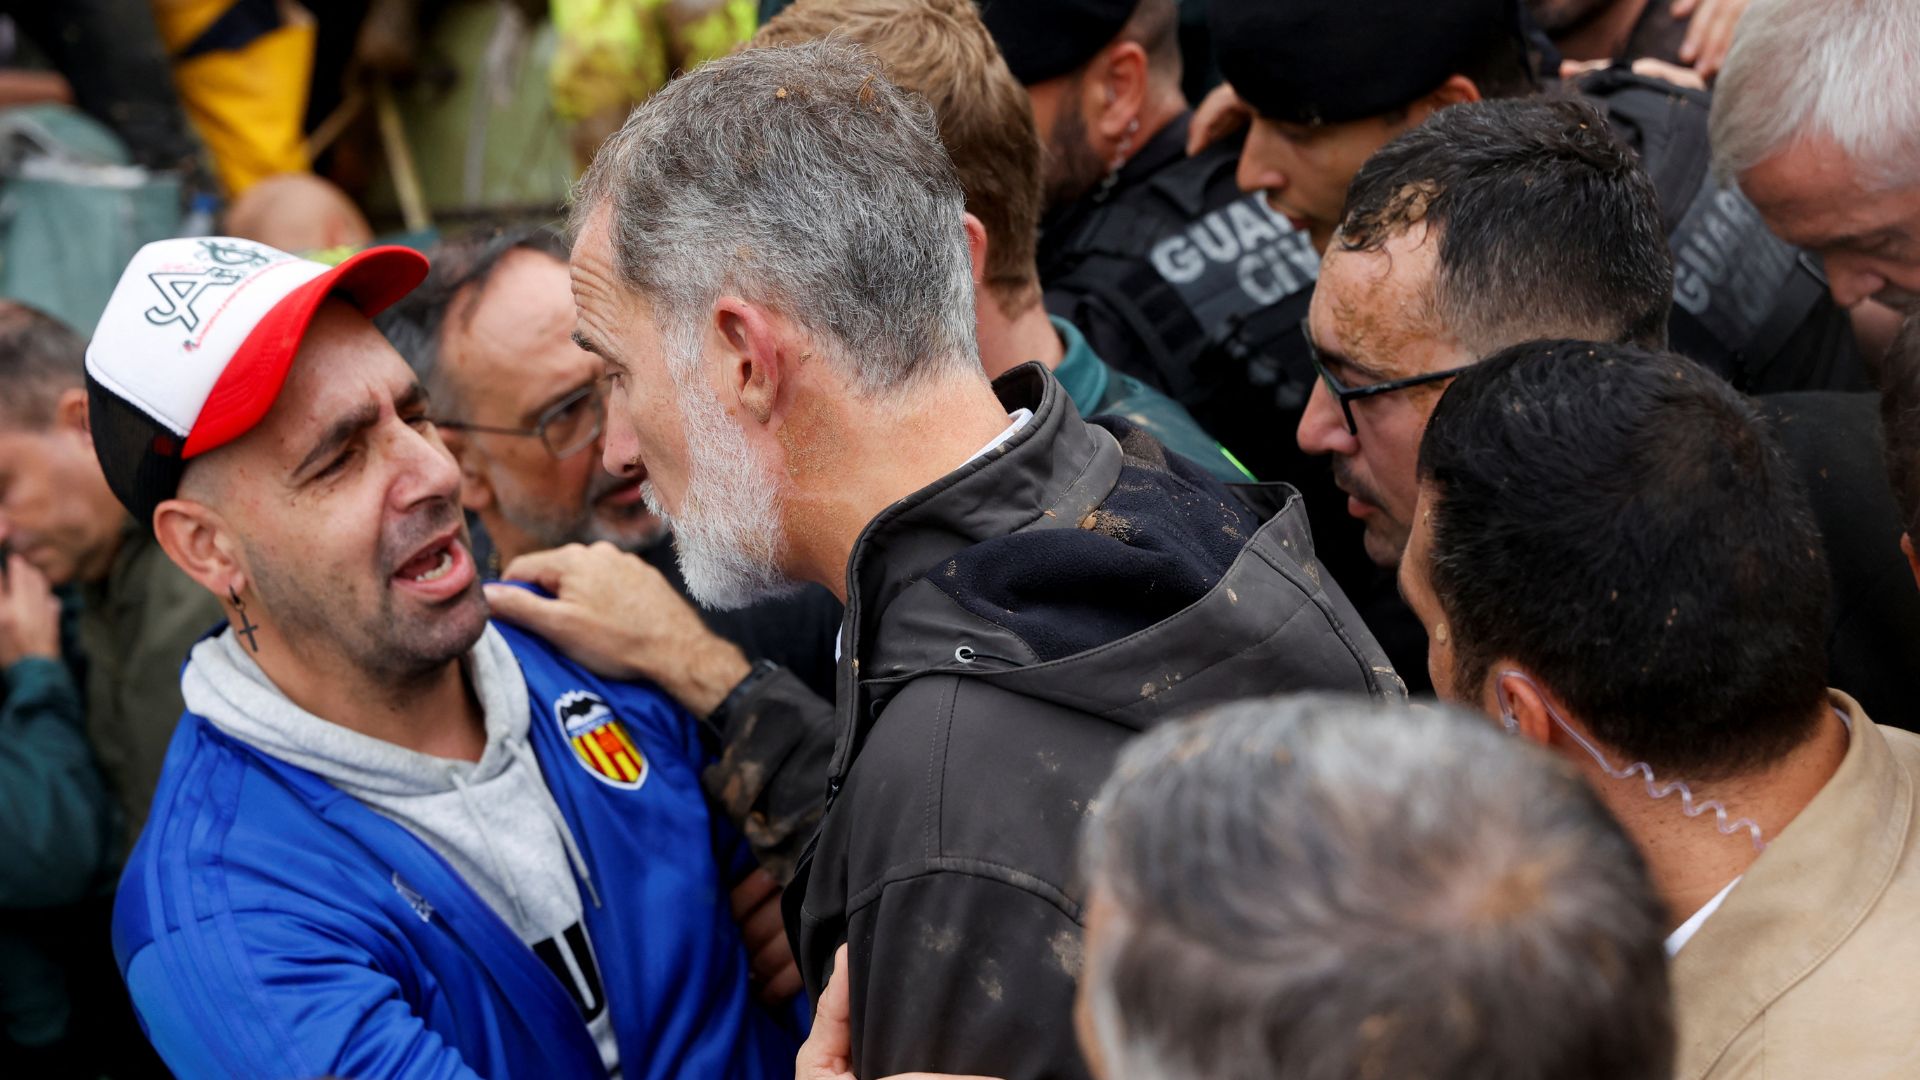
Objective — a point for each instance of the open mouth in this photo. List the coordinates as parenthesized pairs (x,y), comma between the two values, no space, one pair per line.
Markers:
(429,566)
(440,570)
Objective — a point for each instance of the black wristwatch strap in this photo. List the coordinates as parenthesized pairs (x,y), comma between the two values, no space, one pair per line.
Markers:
(714,723)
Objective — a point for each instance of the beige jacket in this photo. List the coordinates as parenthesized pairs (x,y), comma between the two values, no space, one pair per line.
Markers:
(1811,968)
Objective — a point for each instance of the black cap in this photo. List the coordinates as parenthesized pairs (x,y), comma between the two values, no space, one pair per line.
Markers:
(1330,61)
(1044,39)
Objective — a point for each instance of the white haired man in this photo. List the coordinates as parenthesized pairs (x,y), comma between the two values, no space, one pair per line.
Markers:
(772,260)
(1817,116)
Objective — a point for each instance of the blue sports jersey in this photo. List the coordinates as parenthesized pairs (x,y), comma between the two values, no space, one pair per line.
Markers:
(269,925)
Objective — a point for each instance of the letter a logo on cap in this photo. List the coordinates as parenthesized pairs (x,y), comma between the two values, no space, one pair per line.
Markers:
(179,291)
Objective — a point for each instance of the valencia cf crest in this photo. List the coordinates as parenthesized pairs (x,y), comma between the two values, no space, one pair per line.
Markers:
(599,740)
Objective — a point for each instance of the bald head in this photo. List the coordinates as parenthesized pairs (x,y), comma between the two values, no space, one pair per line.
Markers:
(298,212)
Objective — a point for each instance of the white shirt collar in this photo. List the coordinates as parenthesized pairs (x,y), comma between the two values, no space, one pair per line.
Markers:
(1016,420)
(1679,938)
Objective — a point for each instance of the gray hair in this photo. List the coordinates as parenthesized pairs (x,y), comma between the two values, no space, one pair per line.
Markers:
(1838,69)
(1315,888)
(40,358)
(796,176)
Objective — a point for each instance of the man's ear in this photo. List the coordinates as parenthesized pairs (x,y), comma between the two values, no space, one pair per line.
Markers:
(752,364)
(976,248)
(1913,558)
(200,543)
(70,412)
(1457,90)
(1117,81)
(1527,709)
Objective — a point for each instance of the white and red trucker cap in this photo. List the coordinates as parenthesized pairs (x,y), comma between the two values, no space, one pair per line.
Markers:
(196,342)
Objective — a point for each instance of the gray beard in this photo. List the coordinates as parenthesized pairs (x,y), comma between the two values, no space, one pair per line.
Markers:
(727,536)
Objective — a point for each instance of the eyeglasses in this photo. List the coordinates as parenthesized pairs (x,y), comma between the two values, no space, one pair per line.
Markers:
(1347,395)
(569,426)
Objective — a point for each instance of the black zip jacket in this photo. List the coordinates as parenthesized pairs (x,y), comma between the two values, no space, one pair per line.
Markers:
(1008,629)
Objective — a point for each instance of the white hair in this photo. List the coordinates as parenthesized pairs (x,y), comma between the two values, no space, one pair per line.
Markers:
(1825,69)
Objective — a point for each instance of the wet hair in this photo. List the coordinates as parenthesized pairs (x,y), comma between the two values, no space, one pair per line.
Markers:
(1622,523)
(416,324)
(799,177)
(1319,888)
(1548,225)
(40,359)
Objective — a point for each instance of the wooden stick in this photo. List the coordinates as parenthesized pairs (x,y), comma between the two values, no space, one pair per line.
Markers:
(393,138)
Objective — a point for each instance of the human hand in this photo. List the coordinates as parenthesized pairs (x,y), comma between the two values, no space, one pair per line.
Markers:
(1221,113)
(620,618)
(1709,32)
(1686,78)
(756,907)
(29,613)
(828,1052)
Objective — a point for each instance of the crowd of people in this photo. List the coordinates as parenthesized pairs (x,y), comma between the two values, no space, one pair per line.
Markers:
(1124,539)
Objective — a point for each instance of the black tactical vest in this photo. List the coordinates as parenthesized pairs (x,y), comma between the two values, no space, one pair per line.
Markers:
(1179,278)
(1183,280)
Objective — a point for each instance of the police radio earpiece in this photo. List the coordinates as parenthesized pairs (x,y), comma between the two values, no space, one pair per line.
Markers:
(1726,823)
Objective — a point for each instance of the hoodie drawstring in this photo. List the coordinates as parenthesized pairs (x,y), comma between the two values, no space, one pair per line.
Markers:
(493,854)
(545,799)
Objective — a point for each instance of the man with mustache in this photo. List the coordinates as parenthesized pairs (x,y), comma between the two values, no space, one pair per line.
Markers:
(522,408)
(389,839)
(772,259)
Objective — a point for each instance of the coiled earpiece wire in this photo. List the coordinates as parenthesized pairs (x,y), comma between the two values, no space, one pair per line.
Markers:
(1656,789)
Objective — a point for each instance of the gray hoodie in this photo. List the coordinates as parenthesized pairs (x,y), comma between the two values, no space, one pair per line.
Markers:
(494,820)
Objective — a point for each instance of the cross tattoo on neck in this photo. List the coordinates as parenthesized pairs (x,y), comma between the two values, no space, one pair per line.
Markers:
(247,628)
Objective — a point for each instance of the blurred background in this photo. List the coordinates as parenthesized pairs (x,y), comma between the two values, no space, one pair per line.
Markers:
(317,128)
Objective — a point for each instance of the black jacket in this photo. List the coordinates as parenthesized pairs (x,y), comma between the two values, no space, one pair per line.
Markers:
(1008,629)
(1873,650)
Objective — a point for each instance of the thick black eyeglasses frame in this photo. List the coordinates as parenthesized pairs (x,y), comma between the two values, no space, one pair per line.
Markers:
(1347,395)
(547,417)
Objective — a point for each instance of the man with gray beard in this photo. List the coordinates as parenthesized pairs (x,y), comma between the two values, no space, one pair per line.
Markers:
(522,408)
(772,262)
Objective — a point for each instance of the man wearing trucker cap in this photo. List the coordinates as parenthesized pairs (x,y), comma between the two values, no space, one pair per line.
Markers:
(390,839)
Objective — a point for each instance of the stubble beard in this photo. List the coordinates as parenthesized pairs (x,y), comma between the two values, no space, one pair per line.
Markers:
(391,645)
(1073,169)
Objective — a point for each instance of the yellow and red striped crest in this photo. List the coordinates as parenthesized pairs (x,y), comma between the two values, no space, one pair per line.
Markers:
(600,742)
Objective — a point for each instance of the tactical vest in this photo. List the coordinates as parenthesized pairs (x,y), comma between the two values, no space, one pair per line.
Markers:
(1186,282)
(1180,279)
(1745,303)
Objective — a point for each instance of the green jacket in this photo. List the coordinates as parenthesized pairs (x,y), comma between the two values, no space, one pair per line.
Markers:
(56,820)
(136,627)
(1097,390)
